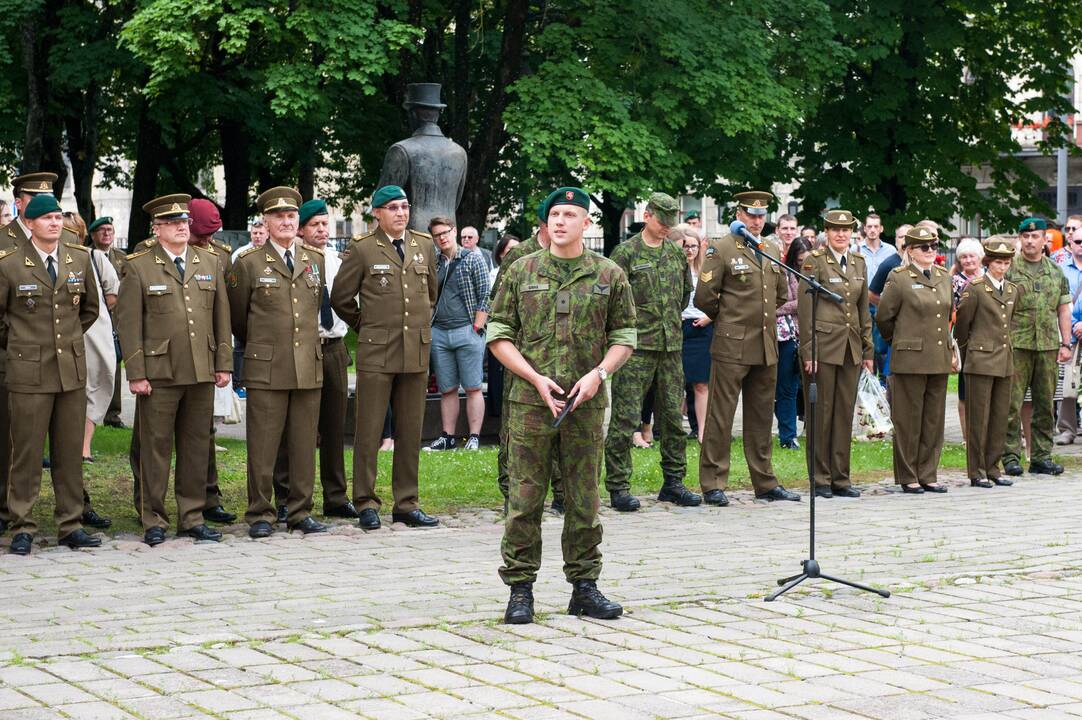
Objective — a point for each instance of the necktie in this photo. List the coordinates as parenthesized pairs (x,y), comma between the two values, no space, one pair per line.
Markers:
(179,262)
(843,263)
(928,274)
(401,252)
(325,317)
(51,267)
(289,261)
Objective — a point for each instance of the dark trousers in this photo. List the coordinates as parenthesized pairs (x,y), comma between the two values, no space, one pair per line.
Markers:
(212,495)
(406,393)
(918,411)
(787,389)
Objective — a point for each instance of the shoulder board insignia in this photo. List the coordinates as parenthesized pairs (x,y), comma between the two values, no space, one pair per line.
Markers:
(247,252)
(900,268)
(359,238)
(310,247)
(421,233)
(221,245)
(965,294)
(5,253)
(76,246)
(150,242)
(817,253)
(809,266)
(134,255)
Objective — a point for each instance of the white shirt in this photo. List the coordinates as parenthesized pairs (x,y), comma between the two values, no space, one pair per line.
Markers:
(997,284)
(26,230)
(838,259)
(691,312)
(173,258)
(45,256)
(282,250)
(331,264)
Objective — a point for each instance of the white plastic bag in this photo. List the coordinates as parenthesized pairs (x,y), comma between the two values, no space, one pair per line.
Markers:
(873,410)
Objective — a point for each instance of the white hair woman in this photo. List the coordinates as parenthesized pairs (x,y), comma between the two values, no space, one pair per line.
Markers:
(968,266)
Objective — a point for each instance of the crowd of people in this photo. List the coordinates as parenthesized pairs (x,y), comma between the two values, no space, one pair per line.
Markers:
(693,325)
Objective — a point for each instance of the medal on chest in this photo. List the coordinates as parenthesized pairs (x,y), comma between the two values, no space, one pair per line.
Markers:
(383,281)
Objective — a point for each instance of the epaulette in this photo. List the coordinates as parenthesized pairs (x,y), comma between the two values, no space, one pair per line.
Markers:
(247,252)
(5,253)
(150,242)
(421,233)
(220,245)
(306,246)
(900,268)
(817,253)
(77,246)
(134,255)
(359,238)
(977,280)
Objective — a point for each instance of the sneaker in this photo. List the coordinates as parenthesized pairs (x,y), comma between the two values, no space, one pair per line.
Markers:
(793,444)
(443,442)
(472,444)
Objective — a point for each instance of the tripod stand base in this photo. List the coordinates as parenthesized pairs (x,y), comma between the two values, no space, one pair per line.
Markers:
(811,570)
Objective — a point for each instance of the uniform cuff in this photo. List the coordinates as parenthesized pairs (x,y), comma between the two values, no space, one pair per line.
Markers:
(496,330)
(624,336)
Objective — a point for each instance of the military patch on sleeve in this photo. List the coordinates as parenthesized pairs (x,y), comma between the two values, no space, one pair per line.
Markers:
(965,294)
(711,251)
(600,289)
(708,275)
(232,278)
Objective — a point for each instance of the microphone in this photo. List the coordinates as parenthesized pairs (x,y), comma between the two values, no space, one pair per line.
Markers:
(741,230)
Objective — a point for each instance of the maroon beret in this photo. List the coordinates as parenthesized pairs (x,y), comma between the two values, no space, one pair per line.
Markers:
(205,219)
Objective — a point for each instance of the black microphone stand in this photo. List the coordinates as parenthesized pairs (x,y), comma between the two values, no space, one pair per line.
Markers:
(810,567)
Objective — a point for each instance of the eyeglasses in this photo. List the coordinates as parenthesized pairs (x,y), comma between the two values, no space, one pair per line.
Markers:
(397,207)
(444,233)
(1070,228)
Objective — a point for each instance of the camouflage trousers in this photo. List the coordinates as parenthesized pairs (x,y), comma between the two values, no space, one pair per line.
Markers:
(531,444)
(501,457)
(1035,369)
(629,386)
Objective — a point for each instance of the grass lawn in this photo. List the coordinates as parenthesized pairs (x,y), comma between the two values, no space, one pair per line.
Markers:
(449,481)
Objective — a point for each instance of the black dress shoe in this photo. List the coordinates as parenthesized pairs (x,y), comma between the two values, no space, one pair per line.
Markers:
(283,513)
(219,515)
(715,497)
(1012,467)
(369,520)
(674,492)
(154,536)
(202,532)
(934,488)
(114,424)
(94,520)
(623,501)
(557,506)
(3,526)
(848,491)
(309,525)
(80,538)
(778,493)
(823,491)
(260,529)
(587,600)
(21,544)
(346,510)
(981,483)
(1003,482)
(415,518)
(918,490)
(520,607)
(1045,467)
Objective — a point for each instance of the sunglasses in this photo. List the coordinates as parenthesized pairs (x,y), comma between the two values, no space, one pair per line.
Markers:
(1070,228)
(1076,242)
(922,247)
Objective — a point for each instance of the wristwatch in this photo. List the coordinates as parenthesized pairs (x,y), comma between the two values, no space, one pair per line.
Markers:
(602,373)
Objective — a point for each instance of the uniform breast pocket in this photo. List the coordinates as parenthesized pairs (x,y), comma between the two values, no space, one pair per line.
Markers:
(269,288)
(642,283)
(536,307)
(159,299)
(383,278)
(29,298)
(207,293)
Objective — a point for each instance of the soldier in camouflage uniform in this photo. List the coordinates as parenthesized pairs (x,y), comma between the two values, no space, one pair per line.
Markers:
(563,319)
(532,245)
(661,285)
(1041,325)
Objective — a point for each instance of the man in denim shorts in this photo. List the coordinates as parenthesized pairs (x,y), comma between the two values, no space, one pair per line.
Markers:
(458,332)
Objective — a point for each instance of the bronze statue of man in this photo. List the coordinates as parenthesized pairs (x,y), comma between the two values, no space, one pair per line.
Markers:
(429,166)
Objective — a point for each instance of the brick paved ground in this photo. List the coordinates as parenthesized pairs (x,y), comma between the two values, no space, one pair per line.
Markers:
(984,621)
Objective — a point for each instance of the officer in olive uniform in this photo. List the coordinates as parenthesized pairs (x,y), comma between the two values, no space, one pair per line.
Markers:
(392,272)
(914,317)
(173,320)
(661,284)
(274,296)
(982,329)
(741,292)
(563,320)
(530,245)
(46,305)
(25,188)
(1041,327)
(844,344)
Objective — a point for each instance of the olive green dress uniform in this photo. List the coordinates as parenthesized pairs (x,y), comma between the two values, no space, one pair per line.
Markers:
(562,315)
(1035,338)
(914,317)
(982,329)
(46,377)
(388,300)
(174,332)
(275,313)
(661,286)
(741,295)
(844,339)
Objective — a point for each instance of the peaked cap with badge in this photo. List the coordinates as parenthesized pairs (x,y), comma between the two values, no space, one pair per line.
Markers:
(921,235)
(839,219)
(998,247)
(753,202)
(34,183)
(278,199)
(168,207)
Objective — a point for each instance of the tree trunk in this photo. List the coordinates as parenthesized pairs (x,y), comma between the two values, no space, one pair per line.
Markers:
(148,164)
(42,149)
(82,136)
(460,101)
(612,212)
(238,174)
(306,171)
(484,151)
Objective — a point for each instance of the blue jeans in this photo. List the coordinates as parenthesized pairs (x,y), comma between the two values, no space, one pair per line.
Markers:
(787,389)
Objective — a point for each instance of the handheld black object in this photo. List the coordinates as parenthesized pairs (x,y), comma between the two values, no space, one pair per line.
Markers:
(563,413)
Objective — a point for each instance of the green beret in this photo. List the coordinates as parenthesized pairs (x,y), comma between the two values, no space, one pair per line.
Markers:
(41,204)
(386,194)
(312,208)
(694,214)
(567,196)
(1032,223)
(543,208)
(103,220)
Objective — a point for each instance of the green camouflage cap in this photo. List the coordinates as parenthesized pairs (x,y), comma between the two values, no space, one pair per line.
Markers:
(664,208)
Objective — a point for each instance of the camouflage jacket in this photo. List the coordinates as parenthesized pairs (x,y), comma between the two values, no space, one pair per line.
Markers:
(661,284)
(1043,288)
(524,248)
(563,315)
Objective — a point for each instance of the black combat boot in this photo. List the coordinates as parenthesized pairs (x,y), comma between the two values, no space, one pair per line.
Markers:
(673,491)
(520,606)
(587,600)
(624,501)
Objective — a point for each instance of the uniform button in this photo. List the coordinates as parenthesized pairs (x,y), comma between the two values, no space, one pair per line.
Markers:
(58,336)
(407,313)
(297,315)
(940,342)
(189,309)
(296,344)
(766,315)
(59,351)
(405,327)
(191,322)
(58,321)
(185,286)
(407,299)
(192,334)
(296,329)
(56,306)
(187,299)
(938,315)
(294,284)
(405,286)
